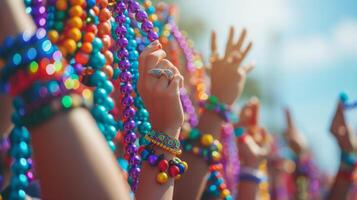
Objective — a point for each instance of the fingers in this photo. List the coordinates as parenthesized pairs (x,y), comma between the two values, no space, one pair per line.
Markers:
(149,49)
(176,83)
(229,45)
(288,118)
(239,44)
(214,51)
(248,68)
(245,52)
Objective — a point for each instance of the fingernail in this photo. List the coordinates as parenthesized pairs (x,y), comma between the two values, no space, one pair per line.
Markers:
(155,43)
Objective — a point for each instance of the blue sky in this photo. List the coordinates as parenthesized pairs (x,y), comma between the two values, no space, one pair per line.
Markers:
(305,50)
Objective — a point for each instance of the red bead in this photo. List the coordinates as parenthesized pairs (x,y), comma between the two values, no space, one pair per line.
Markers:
(174,171)
(163,165)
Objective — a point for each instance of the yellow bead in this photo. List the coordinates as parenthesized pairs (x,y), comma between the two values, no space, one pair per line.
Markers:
(70,45)
(153,17)
(185,164)
(218,145)
(75,22)
(195,150)
(76,11)
(225,193)
(162,178)
(147,4)
(178,177)
(207,140)
(53,36)
(216,156)
(75,34)
(61,5)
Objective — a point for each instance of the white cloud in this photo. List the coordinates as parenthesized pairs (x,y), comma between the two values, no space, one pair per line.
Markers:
(321,49)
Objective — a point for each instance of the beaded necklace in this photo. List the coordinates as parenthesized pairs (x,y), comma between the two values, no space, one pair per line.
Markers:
(126,80)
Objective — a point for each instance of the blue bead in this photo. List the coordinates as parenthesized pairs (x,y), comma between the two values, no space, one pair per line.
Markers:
(100,93)
(116,73)
(181,167)
(17,195)
(91,3)
(143,141)
(145,154)
(21,150)
(20,166)
(132,45)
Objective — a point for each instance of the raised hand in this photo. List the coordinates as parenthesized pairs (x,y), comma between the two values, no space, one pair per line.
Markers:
(227,75)
(295,140)
(342,133)
(251,154)
(160,91)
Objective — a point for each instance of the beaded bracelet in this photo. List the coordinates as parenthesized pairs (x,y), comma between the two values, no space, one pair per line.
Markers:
(348,159)
(173,168)
(62,104)
(208,148)
(165,142)
(212,104)
(252,175)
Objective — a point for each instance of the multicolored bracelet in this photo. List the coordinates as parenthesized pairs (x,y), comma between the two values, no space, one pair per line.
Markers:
(203,145)
(165,142)
(212,104)
(173,168)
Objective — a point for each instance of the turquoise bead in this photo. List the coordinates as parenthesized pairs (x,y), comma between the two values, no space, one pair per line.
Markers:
(145,128)
(142,114)
(131,45)
(19,134)
(110,132)
(109,103)
(18,195)
(97,60)
(98,111)
(21,150)
(111,145)
(116,73)
(97,77)
(97,44)
(100,93)
(19,181)
(133,55)
(20,166)
(134,64)
(110,120)
(108,86)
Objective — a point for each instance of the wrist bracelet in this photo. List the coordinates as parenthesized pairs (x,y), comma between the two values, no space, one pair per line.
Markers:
(165,142)
(348,158)
(203,145)
(212,104)
(250,174)
(173,168)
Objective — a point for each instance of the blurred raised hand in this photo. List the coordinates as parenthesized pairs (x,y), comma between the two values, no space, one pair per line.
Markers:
(294,138)
(228,76)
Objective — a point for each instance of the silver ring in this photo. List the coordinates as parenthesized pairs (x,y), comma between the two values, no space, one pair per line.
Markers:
(157,73)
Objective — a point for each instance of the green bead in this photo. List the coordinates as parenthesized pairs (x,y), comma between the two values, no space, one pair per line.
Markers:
(60,15)
(213,99)
(194,134)
(59,26)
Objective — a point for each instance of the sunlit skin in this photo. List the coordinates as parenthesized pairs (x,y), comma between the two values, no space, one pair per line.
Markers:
(295,140)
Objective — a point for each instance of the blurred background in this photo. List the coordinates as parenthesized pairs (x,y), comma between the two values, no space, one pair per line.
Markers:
(305,53)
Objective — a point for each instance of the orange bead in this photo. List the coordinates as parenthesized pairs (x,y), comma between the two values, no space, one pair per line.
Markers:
(75,34)
(103,3)
(70,45)
(109,57)
(107,41)
(103,28)
(75,22)
(63,50)
(81,58)
(77,2)
(88,37)
(108,70)
(104,15)
(76,11)
(96,10)
(87,47)
(61,5)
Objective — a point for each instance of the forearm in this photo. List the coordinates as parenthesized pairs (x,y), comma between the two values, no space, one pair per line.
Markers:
(149,188)
(247,190)
(195,179)
(340,187)
(5,115)
(73,160)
